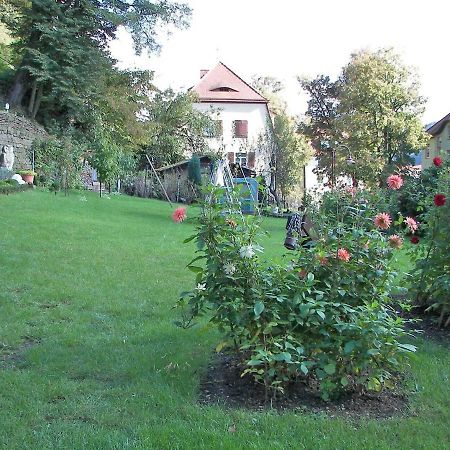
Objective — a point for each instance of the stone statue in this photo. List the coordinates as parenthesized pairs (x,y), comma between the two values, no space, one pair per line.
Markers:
(7,157)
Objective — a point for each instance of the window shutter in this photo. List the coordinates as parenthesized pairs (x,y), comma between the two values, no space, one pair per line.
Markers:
(240,128)
(231,157)
(251,159)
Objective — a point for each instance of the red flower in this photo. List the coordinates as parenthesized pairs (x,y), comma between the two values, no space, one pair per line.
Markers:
(437,161)
(302,273)
(394,182)
(414,239)
(439,199)
(179,214)
(343,255)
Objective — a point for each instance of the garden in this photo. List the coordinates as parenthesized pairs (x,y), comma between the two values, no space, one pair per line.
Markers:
(125,327)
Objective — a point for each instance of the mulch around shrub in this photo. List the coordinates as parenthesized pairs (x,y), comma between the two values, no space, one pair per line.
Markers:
(222,384)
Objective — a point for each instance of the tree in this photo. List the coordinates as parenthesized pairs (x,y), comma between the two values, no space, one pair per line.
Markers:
(270,88)
(175,127)
(372,110)
(288,152)
(380,108)
(64,45)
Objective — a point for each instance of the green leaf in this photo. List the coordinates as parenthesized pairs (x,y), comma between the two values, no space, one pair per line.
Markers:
(341,292)
(310,277)
(304,369)
(221,346)
(254,362)
(284,356)
(349,346)
(189,239)
(258,308)
(330,369)
(408,347)
(195,269)
(321,314)
(344,381)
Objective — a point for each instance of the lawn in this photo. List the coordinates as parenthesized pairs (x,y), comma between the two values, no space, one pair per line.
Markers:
(90,358)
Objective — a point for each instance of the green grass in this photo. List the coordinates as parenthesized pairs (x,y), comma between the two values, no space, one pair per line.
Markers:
(92,284)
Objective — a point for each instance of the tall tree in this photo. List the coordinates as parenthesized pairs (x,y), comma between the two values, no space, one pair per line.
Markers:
(175,128)
(372,111)
(380,109)
(270,88)
(64,44)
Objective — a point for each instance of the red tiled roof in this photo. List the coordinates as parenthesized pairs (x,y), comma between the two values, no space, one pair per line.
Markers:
(221,84)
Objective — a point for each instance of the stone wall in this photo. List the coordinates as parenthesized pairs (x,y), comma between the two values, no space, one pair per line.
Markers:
(20,132)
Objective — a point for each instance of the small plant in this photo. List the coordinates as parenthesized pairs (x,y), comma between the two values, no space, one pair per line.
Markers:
(27,172)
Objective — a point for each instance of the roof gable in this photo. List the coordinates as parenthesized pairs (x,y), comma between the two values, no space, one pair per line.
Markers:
(438,126)
(221,84)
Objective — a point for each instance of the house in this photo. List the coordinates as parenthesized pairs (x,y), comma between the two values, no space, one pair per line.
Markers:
(439,144)
(240,115)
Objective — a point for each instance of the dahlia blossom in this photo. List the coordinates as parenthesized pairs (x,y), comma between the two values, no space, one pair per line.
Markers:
(179,214)
(395,241)
(394,182)
(383,221)
(343,254)
(302,273)
(247,251)
(437,161)
(411,224)
(414,239)
(229,269)
(323,260)
(439,199)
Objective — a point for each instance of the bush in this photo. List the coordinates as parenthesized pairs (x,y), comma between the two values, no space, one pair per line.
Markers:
(12,186)
(324,319)
(432,255)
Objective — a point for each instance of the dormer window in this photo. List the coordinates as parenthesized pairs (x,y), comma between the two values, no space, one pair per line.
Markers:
(223,89)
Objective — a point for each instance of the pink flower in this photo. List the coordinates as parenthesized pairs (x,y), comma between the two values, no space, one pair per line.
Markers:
(411,224)
(394,182)
(439,199)
(179,214)
(395,241)
(343,254)
(437,161)
(383,221)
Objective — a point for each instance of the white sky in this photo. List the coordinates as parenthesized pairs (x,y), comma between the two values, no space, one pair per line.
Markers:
(286,38)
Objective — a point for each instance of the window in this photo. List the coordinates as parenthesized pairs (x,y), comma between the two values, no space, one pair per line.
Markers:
(214,130)
(241,159)
(240,129)
(438,145)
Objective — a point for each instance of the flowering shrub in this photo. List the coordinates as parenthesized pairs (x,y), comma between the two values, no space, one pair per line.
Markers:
(324,318)
(432,259)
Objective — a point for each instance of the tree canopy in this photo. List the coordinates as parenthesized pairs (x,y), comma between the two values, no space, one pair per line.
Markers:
(373,110)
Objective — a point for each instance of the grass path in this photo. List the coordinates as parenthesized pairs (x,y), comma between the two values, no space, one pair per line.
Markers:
(90,358)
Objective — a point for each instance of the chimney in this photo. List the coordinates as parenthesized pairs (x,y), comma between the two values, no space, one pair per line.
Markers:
(203,72)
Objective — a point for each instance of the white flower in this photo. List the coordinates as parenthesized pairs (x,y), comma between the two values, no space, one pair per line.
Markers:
(201,287)
(229,269)
(247,251)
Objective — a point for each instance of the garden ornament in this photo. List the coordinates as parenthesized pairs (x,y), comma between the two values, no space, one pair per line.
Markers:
(7,157)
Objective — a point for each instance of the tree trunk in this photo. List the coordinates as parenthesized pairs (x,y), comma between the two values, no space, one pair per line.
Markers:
(18,88)
(32,98)
(37,102)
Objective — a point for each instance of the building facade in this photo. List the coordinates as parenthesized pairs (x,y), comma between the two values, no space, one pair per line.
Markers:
(240,115)
(439,143)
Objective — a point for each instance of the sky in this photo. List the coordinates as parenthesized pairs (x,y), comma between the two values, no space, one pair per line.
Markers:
(290,38)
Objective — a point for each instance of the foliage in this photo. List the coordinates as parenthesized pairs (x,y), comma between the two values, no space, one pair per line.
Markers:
(325,318)
(373,108)
(69,78)
(175,127)
(12,186)
(270,88)
(432,256)
(26,172)
(59,159)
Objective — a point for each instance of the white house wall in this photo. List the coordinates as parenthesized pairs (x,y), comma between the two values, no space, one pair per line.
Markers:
(255,114)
